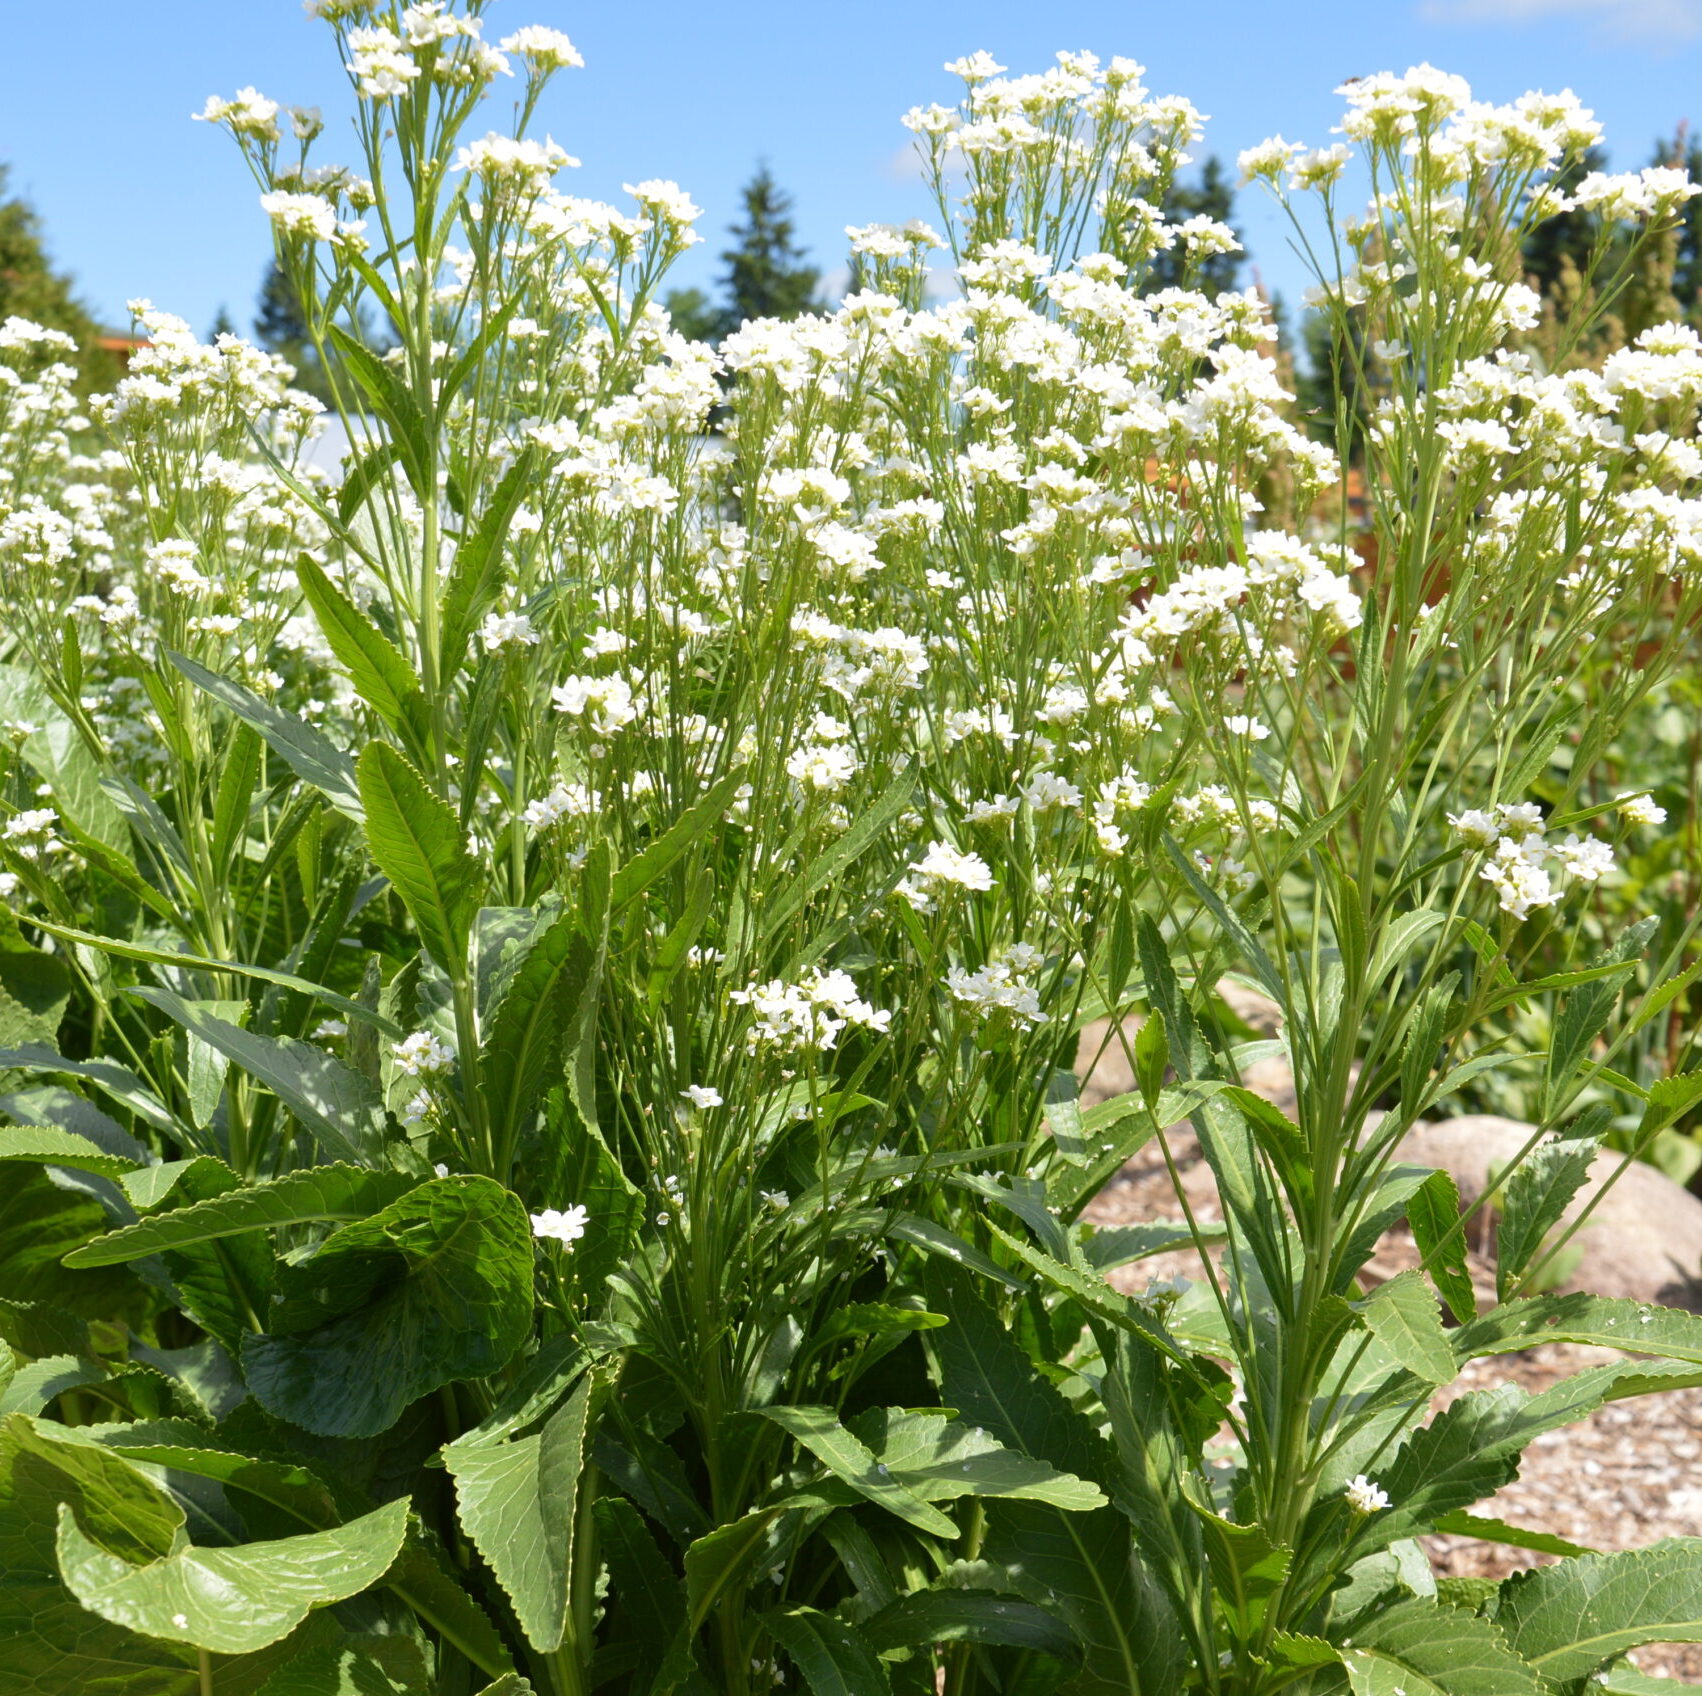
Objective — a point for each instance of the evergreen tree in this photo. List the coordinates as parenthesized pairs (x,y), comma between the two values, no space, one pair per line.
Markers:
(1213,197)
(223,325)
(763,275)
(694,314)
(280,326)
(31,288)
(1558,250)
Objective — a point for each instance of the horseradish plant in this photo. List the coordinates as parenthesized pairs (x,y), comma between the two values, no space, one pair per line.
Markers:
(542,974)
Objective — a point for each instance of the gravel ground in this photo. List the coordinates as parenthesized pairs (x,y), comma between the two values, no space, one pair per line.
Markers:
(1626,1477)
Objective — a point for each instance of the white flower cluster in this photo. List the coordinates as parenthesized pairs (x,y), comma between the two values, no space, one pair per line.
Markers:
(423,1055)
(941,872)
(790,1018)
(1522,862)
(1003,988)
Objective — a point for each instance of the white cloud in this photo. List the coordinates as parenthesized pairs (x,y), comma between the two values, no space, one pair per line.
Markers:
(1660,22)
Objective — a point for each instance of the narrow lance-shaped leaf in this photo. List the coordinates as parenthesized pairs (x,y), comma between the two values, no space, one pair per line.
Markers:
(417,843)
(336,1104)
(309,753)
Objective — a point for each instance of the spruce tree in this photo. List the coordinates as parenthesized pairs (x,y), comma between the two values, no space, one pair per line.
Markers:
(765,275)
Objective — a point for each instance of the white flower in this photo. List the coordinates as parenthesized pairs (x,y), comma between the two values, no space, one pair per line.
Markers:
(1584,857)
(701,1095)
(30,835)
(825,768)
(565,1226)
(1641,809)
(423,1056)
(507,630)
(544,49)
(1365,1497)
(605,702)
(1475,827)
(944,864)
(301,214)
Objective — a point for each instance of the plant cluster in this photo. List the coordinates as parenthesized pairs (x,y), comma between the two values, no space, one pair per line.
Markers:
(540,982)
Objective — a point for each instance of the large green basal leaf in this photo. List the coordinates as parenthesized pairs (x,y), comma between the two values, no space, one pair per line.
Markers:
(39,1223)
(370,1666)
(313,1196)
(518,1502)
(1420,1647)
(50,1645)
(435,1287)
(939,1459)
(234,1600)
(834,1660)
(1568,1619)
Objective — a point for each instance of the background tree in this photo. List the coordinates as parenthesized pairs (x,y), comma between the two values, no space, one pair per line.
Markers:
(1213,197)
(280,326)
(764,274)
(31,288)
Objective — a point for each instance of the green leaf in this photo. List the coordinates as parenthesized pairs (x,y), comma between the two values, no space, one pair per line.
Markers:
(1402,1315)
(1248,1567)
(336,1104)
(1539,1192)
(1152,1056)
(59,754)
(1461,1524)
(475,577)
(232,1600)
(312,1196)
(991,1381)
(519,1500)
(1567,1620)
(363,476)
(48,1146)
(308,752)
(823,868)
(34,990)
(1098,1297)
(833,1658)
(1433,1211)
(817,1430)
(1118,1245)
(1083,1568)
(382,678)
(1422,1648)
(732,1552)
(1586,1010)
(436,1287)
(393,403)
(651,1595)
(640,872)
(371,1666)
(1582,1318)
(417,842)
(948,1245)
(939,1459)
(526,1029)
(104,1069)
(968,1616)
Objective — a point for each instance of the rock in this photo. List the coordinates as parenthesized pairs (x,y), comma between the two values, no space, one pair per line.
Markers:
(1642,1242)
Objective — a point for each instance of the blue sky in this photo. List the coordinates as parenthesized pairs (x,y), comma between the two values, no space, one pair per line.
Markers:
(95,99)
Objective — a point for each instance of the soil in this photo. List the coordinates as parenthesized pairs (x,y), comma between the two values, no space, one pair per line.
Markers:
(1621,1479)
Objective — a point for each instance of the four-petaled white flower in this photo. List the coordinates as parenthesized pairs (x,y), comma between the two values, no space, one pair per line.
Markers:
(561,1225)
